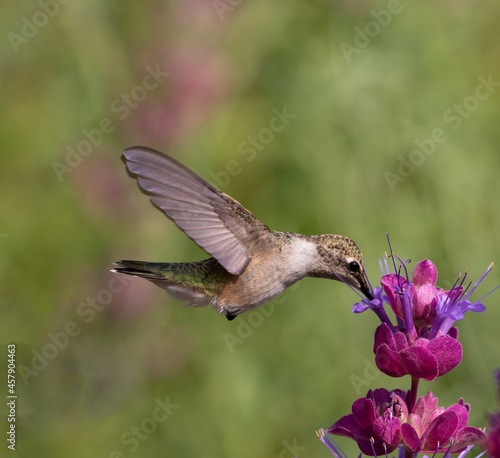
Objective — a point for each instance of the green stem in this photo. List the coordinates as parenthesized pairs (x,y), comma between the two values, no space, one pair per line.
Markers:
(411,401)
(412,398)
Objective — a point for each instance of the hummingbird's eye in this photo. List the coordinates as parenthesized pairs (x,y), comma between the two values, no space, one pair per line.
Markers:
(354,266)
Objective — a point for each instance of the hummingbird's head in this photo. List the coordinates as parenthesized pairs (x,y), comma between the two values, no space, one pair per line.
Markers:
(342,260)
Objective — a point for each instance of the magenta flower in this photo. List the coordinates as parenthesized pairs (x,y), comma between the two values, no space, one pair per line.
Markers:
(452,305)
(373,423)
(423,343)
(381,422)
(421,308)
(434,429)
(423,292)
(424,358)
(420,302)
(493,444)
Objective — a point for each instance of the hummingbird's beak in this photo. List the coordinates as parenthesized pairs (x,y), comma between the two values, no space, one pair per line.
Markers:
(365,288)
(367,292)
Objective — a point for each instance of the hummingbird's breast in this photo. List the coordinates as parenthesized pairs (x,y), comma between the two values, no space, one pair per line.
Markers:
(268,274)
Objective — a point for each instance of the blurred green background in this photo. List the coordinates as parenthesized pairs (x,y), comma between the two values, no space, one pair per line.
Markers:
(363,83)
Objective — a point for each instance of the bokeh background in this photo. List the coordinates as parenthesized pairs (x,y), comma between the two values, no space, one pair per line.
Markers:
(362,84)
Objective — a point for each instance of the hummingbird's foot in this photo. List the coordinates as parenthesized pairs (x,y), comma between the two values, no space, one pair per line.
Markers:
(230,316)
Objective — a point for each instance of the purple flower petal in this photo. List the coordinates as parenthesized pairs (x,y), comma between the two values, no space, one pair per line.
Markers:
(453,333)
(419,362)
(410,437)
(468,436)
(424,273)
(393,284)
(462,415)
(447,351)
(453,304)
(383,335)
(417,423)
(494,433)
(424,300)
(363,411)
(389,362)
(452,294)
(458,310)
(380,396)
(440,431)
(359,307)
(388,429)
(462,403)
(347,426)
(400,341)
(425,405)
(432,415)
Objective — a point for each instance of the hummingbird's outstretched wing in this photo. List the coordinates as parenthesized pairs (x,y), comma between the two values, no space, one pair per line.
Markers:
(216,222)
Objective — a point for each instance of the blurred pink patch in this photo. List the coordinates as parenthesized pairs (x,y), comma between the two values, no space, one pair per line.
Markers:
(197,84)
(101,189)
(136,300)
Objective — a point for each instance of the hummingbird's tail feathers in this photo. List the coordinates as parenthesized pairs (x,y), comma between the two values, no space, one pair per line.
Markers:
(163,274)
(135,268)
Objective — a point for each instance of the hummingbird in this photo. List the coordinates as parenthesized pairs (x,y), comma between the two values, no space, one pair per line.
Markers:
(250,264)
